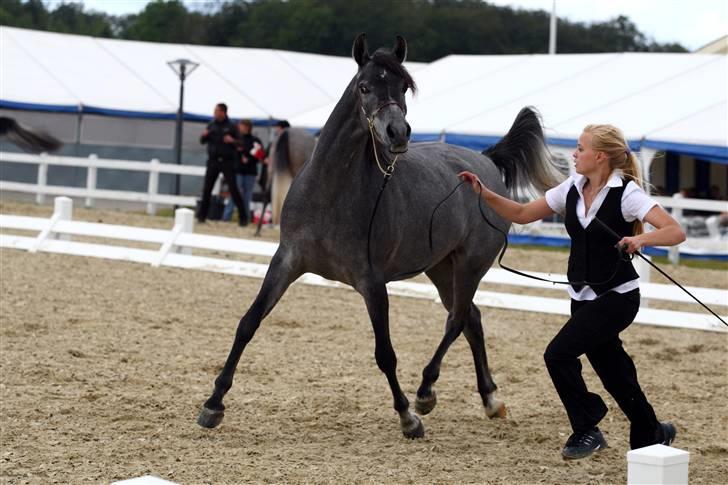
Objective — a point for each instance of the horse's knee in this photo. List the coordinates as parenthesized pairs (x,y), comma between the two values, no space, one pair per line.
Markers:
(386,360)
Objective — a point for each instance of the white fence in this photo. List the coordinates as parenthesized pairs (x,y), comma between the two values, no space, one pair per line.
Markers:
(90,192)
(176,247)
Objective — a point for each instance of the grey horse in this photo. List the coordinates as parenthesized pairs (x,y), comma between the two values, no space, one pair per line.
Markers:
(422,223)
(288,154)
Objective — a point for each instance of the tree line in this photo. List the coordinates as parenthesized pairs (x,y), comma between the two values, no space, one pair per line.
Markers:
(434,28)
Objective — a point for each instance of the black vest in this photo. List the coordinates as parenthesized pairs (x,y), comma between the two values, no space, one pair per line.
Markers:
(593,257)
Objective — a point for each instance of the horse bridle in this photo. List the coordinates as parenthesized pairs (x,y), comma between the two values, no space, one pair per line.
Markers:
(387,172)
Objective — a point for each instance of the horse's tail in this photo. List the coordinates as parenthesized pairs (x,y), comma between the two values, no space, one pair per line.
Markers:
(27,139)
(522,156)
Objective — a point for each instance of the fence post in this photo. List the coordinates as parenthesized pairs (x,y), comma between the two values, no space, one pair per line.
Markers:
(673,254)
(63,207)
(182,223)
(42,179)
(153,188)
(91,180)
(62,211)
(185,220)
(657,465)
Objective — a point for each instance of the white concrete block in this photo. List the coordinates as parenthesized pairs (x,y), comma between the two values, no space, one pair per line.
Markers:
(145,480)
(657,465)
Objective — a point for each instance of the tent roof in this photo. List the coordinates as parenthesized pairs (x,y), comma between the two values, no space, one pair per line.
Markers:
(53,71)
(655,98)
(660,100)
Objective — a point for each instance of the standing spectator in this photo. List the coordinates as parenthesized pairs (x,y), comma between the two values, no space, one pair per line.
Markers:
(221,137)
(250,149)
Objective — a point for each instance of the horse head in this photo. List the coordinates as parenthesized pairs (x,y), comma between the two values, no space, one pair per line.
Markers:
(381,84)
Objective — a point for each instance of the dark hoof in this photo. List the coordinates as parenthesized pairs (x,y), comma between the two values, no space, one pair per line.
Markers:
(423,405)
(209,418)
(417,429)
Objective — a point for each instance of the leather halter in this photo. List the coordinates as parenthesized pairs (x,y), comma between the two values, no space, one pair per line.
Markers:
(387,172)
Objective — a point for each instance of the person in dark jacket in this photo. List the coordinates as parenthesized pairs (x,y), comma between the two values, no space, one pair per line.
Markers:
(604,285)
(221,137)
(250,152)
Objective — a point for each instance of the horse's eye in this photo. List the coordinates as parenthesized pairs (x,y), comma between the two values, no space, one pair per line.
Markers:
(363,89)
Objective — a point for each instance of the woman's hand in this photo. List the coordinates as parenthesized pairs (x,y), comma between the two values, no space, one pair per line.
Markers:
(630,245)
(472,179)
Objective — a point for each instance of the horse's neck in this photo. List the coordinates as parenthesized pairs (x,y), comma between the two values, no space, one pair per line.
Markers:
(344,149)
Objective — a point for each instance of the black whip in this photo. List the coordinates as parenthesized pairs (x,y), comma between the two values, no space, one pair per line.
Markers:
(615,235)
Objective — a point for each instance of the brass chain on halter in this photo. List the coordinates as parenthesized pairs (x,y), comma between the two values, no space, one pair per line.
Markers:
(370,121)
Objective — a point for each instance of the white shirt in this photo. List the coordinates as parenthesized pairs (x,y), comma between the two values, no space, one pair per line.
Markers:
(635,205)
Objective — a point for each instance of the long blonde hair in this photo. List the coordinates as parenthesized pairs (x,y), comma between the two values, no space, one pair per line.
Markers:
(610,140)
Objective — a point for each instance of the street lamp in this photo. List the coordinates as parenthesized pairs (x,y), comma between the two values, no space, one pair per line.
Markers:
(183,68)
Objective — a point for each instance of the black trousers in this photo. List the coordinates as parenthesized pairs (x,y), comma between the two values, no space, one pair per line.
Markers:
(214,168)
(593,329)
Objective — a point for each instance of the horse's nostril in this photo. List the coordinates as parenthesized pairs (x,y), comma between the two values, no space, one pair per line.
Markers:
(409,130)
(390,131)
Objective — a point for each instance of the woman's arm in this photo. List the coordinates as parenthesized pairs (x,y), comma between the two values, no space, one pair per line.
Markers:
(668,232)
(507,208)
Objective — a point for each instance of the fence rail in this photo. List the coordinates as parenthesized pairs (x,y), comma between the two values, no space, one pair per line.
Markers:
(176,246)
(152,197)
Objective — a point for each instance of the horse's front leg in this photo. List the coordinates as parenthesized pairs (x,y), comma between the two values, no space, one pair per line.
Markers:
(282,271)
(377,301)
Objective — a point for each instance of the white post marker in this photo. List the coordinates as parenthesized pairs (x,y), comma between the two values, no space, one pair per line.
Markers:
(185,220)
(62,211)
(145,480)
(153,186)
(42,180)
(657,465)
(91,179)
(63,206)
(673,254)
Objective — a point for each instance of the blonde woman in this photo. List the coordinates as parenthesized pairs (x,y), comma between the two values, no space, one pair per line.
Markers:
(604,288)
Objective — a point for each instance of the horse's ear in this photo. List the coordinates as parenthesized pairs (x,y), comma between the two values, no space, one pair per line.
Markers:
(400,49)
(360,51)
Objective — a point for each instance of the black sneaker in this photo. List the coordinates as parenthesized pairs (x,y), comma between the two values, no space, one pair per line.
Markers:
(668,433)
(583,444)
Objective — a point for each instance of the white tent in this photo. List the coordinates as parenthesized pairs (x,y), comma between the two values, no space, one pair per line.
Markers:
(61,72)
(662,101)
(676,102)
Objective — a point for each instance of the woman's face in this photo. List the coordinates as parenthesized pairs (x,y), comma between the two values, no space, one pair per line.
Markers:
(586,160)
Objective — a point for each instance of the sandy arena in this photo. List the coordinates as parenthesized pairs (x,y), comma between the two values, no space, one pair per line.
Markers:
(104,366)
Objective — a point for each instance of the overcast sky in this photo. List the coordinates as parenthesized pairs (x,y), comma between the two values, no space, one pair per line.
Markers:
(692,23)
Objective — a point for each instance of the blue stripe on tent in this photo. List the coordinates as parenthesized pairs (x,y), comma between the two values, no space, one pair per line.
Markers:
(561,242)
(39,107)
(634,145)
(706,152)
(85,109)
(421,137)
(711,153)
(474,142)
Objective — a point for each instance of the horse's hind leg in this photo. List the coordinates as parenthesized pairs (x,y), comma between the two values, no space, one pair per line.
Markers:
(377,302)
(442,277)
(281,273)
(456,292)
(486,387)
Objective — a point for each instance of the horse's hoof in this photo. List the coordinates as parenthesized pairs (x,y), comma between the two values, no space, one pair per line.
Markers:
(496,410)
(423,405)
(415,428)
(209,418)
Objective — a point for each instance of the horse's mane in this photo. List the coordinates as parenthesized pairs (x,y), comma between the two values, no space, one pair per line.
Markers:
(387,59)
